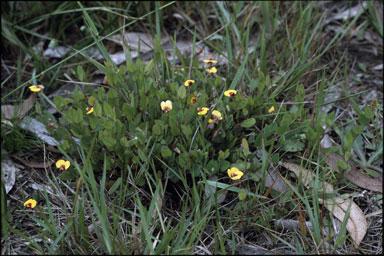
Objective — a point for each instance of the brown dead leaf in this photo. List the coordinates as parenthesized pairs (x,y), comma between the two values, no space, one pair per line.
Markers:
(355,175)
(273,179)
(41,165)
(306,175)
(357,224)
(19,111)
(133,38)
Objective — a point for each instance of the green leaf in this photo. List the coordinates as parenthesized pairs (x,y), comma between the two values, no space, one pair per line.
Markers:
(330,119)
(181,92)
(108,141)
(131,67)
(224,164)
(242,195)
(128,111)
(248,123)
(112,94)
(108,110)
(70,115)
(122,70)
(97,110)
(91,100)
(81,73)
(109,124)
(293,146)
(342,165)
(142,155)
(124,142)
(157,129)
(268,129)
(100,93)
(148,68)
(212,167)
(59,102)
(78,116)
(166,152)
(367,116)
(69,174)
(186,130)
(349,138)
(372,173)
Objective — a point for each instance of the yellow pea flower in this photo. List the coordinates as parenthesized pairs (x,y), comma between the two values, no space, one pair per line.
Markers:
(271,110)
(36,88)
(193,100)
(89,110)
(230,93)
(189,82)
(210,60)
(211,70)
(166,106)
(202,111)
(216,116)
(234,173)
(63,165)
(30,203)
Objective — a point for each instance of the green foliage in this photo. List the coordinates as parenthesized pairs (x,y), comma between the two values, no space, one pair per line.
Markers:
(131,127)
(128,139)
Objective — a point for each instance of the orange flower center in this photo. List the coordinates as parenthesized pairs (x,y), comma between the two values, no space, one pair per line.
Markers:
(62,167)
(87,109)
(28,205)
(166,109)
(190,83)
(231,94)
(233,175)
(193,100)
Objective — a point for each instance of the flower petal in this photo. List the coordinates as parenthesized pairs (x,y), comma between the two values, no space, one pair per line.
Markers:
(30,203)
(234,173)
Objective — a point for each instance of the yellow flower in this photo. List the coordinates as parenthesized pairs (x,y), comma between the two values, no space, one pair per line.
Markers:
(30,203)
(211,70)
(193,100)
(202,111)
(271,110)
(189,82)
(166,106)
(210,60)
(89,110)
(182,69)
(230,93)
(235,173)
(36,88)
(216,116)
(63,165)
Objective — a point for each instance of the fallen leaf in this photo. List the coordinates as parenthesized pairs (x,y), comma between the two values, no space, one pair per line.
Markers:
(274,180)
(211,190)
(349,13)
(306,176)
(8,174)
(38,129)
(19,111)
(132,39)
(356,225)
(354,175)
(41,165)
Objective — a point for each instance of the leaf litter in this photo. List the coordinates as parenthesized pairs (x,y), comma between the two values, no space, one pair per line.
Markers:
(357,224)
